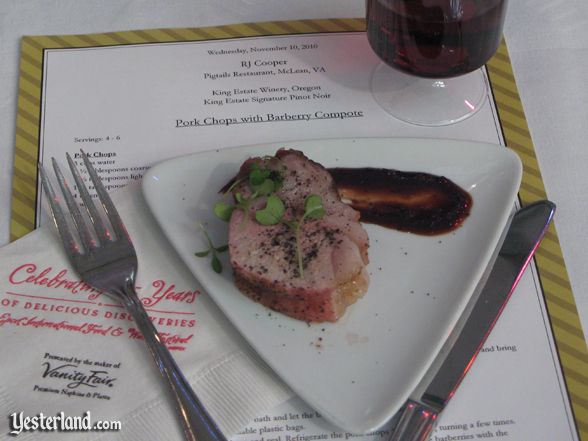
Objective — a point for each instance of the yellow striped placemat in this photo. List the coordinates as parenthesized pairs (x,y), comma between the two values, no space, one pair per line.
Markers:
(551,267)
(553,275)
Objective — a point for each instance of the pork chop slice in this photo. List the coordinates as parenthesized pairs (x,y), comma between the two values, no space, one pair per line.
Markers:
(334,249)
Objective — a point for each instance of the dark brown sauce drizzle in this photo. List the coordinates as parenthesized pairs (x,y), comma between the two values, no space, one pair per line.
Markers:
(416,202)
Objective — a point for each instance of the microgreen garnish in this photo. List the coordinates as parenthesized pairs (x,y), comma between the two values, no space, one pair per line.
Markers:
(274,212)
(215,263)
(313,207)
(262,182)
(223,211)
(258,175)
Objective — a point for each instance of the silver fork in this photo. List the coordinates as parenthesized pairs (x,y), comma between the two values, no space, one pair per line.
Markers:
(108,262)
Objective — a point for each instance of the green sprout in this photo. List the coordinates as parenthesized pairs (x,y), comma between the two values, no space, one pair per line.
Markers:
(215,262)
(262,182)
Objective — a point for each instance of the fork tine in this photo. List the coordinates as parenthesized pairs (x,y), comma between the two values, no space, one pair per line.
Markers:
(69,243)
(113,216)
(101,231)
(79,222)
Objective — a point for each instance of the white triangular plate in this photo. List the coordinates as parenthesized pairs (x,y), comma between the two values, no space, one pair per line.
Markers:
(359,371)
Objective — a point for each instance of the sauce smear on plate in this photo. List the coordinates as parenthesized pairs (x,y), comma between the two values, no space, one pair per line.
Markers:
(416,202)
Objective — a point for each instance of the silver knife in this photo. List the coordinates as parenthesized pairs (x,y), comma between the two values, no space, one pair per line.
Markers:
(527,228)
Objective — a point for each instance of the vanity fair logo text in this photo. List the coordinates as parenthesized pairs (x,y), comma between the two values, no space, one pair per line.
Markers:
(75,377)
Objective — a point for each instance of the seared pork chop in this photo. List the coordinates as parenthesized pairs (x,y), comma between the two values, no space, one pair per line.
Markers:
(334,249)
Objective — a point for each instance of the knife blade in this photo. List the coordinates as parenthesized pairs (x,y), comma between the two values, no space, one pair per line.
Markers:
(526,230)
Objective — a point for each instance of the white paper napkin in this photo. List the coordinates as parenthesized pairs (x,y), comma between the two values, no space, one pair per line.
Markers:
(66,348)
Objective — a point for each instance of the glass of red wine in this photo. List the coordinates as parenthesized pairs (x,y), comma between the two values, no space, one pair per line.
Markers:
(432,52)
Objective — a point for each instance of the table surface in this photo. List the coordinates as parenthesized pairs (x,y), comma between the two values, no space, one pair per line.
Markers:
(547,40)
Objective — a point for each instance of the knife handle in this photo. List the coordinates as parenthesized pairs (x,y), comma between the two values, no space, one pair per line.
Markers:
(415,424)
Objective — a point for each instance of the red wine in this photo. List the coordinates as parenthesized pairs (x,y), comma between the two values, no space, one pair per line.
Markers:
(435,38)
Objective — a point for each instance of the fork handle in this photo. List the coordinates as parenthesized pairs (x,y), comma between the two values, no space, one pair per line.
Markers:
(196,422)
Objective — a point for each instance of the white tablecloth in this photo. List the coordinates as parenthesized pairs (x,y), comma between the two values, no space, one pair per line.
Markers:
(548,42)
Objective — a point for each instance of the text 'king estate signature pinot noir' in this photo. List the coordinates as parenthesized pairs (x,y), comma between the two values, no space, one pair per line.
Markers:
(435,38)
